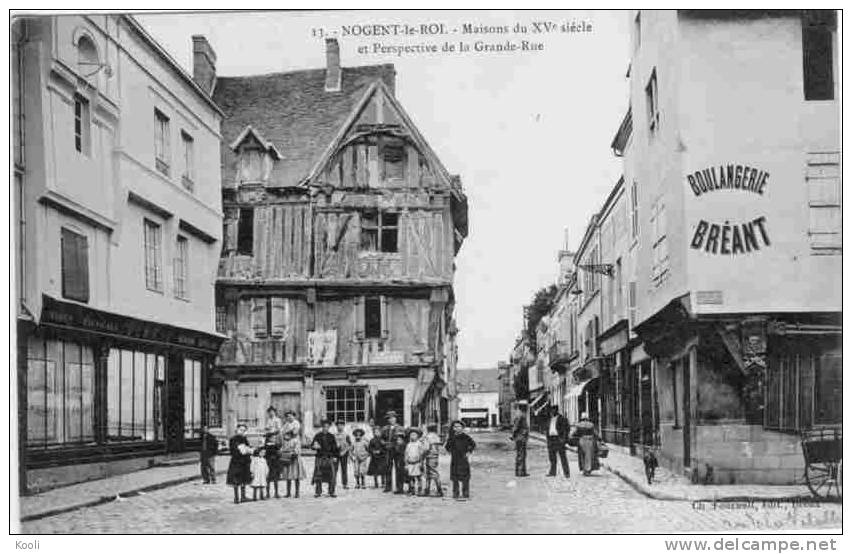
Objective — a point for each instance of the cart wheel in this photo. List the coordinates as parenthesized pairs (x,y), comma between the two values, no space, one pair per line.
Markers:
(824,479)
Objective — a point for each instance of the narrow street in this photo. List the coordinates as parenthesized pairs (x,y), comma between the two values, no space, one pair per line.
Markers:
(500,503)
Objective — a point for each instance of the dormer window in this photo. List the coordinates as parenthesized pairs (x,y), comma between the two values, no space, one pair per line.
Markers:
(87,57)
(255,157)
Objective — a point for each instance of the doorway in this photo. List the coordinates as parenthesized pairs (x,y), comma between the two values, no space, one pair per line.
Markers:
(285,402)
(387,400)
(173,408)
(687,409)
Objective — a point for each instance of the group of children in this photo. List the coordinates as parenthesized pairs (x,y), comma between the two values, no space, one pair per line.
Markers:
(408,455)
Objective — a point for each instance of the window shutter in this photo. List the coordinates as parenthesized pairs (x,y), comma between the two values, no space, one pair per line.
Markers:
(384,314)
(372,392)
(279,316)
(75,266)
(258,317)
(359,318)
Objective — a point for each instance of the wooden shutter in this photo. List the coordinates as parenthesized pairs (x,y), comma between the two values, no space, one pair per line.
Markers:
(258,317)
(372,392)
(230,235)
(75,266)
(319,404)
(384,315)
(279,316)
(359,317)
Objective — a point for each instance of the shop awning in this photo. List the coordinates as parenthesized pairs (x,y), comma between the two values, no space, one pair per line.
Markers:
(572,400)
(538,403)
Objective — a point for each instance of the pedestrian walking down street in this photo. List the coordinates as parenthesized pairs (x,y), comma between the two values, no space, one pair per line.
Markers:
(344,445)
(414,454)
(325,445)
(209,449)
(430,464)
(378,459)
(259,474)
(460,445)
(360,458)
(587,445)
(393,439)
(239,468)
(521,434)
(292,466)
(557,438)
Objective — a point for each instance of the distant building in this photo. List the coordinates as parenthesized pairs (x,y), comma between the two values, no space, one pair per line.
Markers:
(478,393)
(118,220)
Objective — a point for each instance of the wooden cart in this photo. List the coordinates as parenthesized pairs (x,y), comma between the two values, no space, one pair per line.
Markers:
(823,452)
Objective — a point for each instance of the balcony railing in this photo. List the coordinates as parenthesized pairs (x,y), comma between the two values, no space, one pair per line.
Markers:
(560,352)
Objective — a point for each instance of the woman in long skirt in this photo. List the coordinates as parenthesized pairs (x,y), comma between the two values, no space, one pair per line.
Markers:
(292,467)
(587,444)
(239,468)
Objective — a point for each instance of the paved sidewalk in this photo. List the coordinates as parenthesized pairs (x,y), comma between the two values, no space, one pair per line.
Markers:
(668,485)
(100,491)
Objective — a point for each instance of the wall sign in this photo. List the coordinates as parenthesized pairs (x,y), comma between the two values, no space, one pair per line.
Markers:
(731,176)
(729,237)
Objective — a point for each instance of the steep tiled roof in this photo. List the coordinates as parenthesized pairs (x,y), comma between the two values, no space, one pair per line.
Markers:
(293,111)
(485,380)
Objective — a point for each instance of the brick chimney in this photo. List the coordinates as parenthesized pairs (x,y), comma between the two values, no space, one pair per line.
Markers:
(203,63)
(332,65)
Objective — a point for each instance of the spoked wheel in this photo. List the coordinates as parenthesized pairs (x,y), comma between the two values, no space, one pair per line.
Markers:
(825,479)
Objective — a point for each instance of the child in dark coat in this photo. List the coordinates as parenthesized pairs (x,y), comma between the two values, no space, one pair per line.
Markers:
(378,459)
(460,445)
(239,468)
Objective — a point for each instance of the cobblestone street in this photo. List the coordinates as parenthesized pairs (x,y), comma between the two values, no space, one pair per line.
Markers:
(602,503)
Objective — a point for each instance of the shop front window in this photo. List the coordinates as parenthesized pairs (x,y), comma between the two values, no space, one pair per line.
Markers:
(191,398)
(346,404)
(60,393)
(132,407)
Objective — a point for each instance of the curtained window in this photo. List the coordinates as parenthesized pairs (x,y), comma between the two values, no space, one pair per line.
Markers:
(191,398)
(60,393)
(132,411)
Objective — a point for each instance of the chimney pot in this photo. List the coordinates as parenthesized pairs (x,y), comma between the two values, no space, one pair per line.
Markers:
(333,72)
(203,63)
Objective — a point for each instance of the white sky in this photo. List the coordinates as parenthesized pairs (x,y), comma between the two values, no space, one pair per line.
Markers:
(528,132)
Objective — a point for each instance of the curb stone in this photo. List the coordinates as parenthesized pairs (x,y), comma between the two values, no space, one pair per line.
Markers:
(110,498)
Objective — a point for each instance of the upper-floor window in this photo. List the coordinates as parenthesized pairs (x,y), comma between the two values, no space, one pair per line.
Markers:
(153,241)
(373,317)
(818,54)
(590,278)
(660,247)
(631,303)
(379,231)
(82,125)
(393,161)
(188,145)
(161,142)
(245,232)
(75,265)
(653,103)
(634,209)
(181,266)
(270,317)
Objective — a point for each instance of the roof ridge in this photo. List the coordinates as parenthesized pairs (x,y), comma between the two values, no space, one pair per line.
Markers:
(294,71)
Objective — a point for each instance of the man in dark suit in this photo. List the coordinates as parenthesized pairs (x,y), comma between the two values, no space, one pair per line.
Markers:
(557,437)
(520,434)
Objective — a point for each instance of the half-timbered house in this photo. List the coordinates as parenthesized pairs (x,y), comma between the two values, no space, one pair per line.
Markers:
(335,283)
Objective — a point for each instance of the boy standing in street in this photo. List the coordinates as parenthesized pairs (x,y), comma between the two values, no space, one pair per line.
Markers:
(209,449)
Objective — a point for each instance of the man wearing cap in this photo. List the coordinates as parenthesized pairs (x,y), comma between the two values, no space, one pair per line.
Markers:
(393,438)
(325,445)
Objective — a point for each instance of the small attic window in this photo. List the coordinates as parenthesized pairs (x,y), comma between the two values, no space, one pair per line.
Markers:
(87,57)
(393,160)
